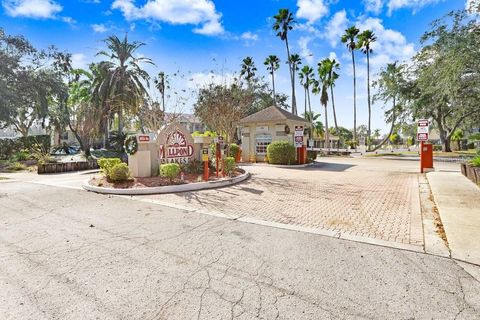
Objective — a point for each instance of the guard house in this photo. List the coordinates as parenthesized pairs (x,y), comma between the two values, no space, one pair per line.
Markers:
(258,130)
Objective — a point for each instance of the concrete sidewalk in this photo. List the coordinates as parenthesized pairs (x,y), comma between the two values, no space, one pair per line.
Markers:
(458,203)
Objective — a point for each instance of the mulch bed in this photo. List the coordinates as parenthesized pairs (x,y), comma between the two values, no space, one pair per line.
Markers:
(135,183)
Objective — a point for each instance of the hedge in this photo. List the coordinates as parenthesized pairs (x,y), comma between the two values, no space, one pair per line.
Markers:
(281,152)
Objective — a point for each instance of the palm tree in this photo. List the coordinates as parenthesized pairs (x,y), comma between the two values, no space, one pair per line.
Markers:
(365,40)
(306,76)
(124,82)
(331,66)
(321,87)
(294,62)
(349,38)
(283,24)
(317,125)
(160,82)
(273,63)
(248,69)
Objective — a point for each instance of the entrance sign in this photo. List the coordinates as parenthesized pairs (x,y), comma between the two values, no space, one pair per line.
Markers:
(422,130)
(298,131)
(298,141)
(175,145)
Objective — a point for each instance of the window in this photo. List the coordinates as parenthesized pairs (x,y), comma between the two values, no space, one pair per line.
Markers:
(64,135)
(261,143)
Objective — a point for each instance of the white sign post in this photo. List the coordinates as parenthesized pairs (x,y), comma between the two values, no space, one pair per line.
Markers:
(422,130)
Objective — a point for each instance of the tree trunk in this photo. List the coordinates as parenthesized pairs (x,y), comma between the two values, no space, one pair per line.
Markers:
(120,121)
(305,102)
(394,116)
(309,104)
(273,85)
(354,102)
(294,102)
(327,133)
(444,138)
(334,112)
(369,102)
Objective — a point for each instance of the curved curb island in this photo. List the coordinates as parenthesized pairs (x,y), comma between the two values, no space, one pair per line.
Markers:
(169,189)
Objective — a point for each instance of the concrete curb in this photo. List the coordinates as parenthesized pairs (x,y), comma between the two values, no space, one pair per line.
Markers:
(169,189)
(293,166)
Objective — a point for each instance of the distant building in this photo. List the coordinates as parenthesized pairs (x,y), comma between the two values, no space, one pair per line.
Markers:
(35,130)
(189,121)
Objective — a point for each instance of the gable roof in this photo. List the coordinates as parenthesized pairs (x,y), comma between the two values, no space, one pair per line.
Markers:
(272,114)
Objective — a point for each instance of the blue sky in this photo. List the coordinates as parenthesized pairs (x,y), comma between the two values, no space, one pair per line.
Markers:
(207,39)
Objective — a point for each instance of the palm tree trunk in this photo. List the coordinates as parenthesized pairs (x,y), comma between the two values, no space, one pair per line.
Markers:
(306,90)
(327,134)
(369,101)
(120,120)
(292,79)
(354,102)
(273,85)
(334,111)
(309,104)
(394,118)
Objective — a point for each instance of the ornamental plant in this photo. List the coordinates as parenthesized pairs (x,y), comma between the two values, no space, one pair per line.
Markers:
(475,162)
(106,164)
(170,170)
(119,173)
(230,166)
(281,152)
(234,149)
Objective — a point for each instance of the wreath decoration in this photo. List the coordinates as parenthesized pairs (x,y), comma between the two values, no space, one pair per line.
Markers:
(131,145)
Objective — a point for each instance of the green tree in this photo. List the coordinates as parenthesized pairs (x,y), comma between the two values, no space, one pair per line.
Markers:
(282,25)
(331,67)
(321,87)
(306,79)
(317,125)
(350,38)
(125,82)
(273,64)
(248,69)
(365,40)
(391,86)
(161,83)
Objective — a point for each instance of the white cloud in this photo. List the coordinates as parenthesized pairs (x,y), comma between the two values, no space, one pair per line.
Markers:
(202,79)
(305,52)
(332,55)
(311,10)
(249,36)
(415,5)
(69,20)
(99,28)
(79,61)
(39,9)
(201,13)
(374,6)
(336,27)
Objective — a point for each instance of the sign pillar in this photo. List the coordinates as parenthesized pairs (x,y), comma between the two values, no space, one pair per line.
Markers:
(299,143)
(206,172)
(426,150)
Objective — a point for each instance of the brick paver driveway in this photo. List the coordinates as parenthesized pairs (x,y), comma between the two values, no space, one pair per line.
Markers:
(373,198)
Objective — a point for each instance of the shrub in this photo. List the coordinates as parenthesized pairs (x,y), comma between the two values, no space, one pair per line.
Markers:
(21,156)
(230,165)
(234,150)
(437,147)
(194,166)
(281,152)
(106,164)
(16,166)
(119,172)
(311,156)
(475,162)
(170,170)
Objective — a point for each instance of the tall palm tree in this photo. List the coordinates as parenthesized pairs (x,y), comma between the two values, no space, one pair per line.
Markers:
(331,67)
(306,75)
(322,87)
(365,40)
(248,69)
(160,83)
(126,80)
(349,38)
(294,62)
(283,24)
(273,63)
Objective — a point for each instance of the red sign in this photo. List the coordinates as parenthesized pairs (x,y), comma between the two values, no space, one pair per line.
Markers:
(143,138)
(176,148)
(422,136)
(423,123)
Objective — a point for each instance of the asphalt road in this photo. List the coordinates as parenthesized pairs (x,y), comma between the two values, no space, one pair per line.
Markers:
(70,254)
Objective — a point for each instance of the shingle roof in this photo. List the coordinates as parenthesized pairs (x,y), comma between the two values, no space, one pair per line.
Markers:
(272,114)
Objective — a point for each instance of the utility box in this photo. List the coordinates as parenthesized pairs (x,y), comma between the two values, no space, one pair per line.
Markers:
(426,156)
